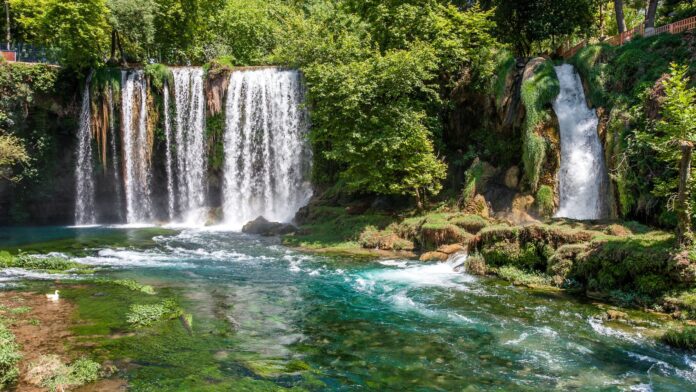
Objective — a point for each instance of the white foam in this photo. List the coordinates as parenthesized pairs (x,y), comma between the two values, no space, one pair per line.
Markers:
(14,274)
(601,329)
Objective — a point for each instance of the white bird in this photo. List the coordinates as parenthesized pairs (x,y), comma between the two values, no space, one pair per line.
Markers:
(53,297)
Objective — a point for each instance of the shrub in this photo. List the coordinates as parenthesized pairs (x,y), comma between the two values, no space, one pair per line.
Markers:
(476,265)
(159,74)
(9,357)
(686,338)
(520,277)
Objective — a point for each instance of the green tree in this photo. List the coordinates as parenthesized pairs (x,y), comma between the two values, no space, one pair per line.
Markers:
(678,127)
(248,30)
(133,26)
(77,28)
(528,25)
(12,152)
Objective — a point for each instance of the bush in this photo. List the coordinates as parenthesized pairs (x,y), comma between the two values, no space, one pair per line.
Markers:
(520,277)
(159,74)
(476,265)
(686,338)
(9,357)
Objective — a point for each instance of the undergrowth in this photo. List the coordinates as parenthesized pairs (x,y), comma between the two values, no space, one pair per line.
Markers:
(537,93)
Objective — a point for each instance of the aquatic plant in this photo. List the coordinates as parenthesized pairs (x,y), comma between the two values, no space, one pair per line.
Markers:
(37,262)
(147,315)
(130,284)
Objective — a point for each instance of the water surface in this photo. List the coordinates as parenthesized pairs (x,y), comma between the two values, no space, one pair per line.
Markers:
(355,325)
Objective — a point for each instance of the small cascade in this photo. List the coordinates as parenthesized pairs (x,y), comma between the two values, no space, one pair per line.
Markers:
(582,175)
(115,166)
(191,151)
(85,205)
(267,156)
(168,138)
(136,147)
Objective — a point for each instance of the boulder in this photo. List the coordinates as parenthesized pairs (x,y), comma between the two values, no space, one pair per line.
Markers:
(434,256)
(616,315)
(512,177)
(263,227)
(451,249)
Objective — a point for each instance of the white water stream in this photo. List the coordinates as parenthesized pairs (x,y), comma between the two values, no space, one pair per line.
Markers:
(582,174)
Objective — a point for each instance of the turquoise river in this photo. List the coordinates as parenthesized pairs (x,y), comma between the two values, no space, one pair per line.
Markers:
(267,318)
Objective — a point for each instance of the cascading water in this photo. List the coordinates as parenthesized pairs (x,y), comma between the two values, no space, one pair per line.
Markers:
(267,156)
(85,206)
(582,173)
(191,156)
(136,147)
(169,168)
(115,166)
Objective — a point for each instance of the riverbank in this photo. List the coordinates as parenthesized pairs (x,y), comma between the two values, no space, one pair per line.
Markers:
(625,263)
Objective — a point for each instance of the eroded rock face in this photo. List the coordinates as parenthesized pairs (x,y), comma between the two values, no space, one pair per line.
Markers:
(512,177)
(263,227)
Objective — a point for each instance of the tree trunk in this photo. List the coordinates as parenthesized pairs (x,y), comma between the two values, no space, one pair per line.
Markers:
(650,14)
(7,23)
(120,49)
(618,7)
(682,208)
(601,19)
(112,58)
(419,200)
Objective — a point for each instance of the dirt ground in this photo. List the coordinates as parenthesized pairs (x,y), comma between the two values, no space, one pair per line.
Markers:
(43,329)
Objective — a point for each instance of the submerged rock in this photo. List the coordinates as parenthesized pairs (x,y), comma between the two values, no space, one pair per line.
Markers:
(263,227)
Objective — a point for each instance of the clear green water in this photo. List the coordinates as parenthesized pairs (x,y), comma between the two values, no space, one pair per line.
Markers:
(267,317)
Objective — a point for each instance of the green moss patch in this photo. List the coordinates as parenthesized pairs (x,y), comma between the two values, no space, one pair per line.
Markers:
(40,263)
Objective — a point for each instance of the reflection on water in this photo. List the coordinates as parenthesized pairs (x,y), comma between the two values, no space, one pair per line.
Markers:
(390,325)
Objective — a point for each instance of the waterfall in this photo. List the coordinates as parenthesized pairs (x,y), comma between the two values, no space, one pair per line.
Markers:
(267,156)
(115,167)
(85,206)
(136,147)
(191,152)
(582,175)
(168,139)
